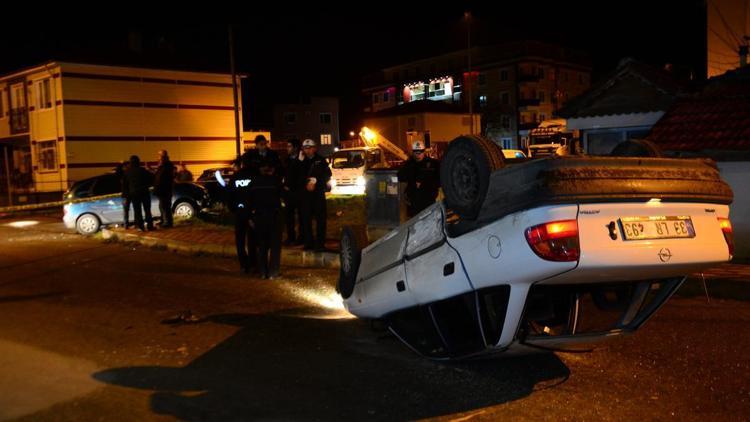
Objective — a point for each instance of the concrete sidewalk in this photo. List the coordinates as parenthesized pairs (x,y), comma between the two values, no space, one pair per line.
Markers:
(202,238)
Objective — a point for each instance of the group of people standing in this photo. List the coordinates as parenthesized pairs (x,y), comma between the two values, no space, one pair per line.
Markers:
(136,182)
(255,193)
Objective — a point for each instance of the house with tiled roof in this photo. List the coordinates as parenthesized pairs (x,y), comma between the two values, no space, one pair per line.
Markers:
(624,105)
(715,123)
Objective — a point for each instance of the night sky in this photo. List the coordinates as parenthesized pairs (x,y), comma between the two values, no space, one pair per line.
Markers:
(310,52)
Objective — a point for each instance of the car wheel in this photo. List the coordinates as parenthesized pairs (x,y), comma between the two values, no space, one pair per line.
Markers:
(88,224)
(184,210)
(353,239)
(465,173)
(636,148)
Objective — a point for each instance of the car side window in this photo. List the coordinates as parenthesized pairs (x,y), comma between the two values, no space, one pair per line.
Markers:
(107,185)
(83,190)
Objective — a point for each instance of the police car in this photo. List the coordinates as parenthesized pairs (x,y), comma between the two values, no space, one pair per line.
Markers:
(550,254)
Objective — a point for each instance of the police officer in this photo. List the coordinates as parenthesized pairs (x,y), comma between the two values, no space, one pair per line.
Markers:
(265,203)
(139,180)
(238,192)
(164,186)
(292,193)
(259,153)
(422,176)
(314,178)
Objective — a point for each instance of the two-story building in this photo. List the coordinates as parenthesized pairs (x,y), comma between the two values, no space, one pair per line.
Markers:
(62,122)
(316,118)
(513,86)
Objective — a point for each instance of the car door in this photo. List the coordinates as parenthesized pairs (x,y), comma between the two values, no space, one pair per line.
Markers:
(108,209)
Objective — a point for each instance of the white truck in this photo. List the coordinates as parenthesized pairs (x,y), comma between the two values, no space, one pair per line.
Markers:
(348,165)
(544,254)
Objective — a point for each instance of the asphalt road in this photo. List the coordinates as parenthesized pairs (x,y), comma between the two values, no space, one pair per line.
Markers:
(85,334)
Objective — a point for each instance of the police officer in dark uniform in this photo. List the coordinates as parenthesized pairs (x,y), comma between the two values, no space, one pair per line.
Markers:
(260,153)
(164,187)
(265,203)
(139,181)
(292,192)
(422,176)
(314,177)
(238,193)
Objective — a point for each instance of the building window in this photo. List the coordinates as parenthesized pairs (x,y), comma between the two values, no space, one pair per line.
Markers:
(540,96)
(325,118)
(505,122)
(482,79)
(385,97)
(290,118)
(507,143)
(325,139)
(504,75)
(43,95)
(504,98)
(47,155)
(375,98)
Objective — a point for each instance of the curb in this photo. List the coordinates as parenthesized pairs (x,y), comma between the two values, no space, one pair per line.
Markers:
(295,258)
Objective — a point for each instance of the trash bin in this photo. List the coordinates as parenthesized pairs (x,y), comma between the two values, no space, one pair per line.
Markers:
(384,199)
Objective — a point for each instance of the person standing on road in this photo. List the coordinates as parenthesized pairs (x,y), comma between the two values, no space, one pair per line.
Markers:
(265,202)
(238,194)
(262,152)
(120,172)
(164,186)
(139,180)
(292,193)
(422,176)
(315,176)
(183,174)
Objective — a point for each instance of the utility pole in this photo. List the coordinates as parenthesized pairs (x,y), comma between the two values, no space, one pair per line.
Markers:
(467,15)
(234,92)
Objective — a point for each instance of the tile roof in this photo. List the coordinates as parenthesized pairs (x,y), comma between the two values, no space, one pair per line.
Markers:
(716,119)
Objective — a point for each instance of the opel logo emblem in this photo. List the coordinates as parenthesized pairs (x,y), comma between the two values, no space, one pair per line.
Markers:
(665,254)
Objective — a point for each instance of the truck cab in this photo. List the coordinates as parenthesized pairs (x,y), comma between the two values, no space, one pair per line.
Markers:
(348,168)
(550,138)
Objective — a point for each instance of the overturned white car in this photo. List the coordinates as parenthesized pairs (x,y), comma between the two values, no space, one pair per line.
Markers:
(545,254)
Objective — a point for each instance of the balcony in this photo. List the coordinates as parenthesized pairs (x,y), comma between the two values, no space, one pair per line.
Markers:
(528,102)
(529,77)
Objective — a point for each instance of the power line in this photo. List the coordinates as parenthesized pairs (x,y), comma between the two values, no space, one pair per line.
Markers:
(729,29)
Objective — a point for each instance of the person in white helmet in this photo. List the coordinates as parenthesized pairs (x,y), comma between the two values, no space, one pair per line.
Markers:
(422,176)
(315,175)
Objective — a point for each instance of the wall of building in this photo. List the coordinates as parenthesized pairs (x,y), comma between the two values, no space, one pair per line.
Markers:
(112,113)
(308,121)
(737,174)
(443,127)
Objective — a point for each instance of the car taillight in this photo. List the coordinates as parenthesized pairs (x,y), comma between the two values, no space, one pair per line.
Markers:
(555,241)
(726,228)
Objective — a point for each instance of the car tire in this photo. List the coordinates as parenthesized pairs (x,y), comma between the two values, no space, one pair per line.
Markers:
(465,173)
(636,148)
(353,240)
(184,210)
(88,224)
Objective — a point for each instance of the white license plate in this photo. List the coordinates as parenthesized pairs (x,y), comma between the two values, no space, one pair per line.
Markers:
(656,227)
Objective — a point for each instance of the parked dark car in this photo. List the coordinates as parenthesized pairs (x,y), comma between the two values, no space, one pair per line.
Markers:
(88,216)
(207,179)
